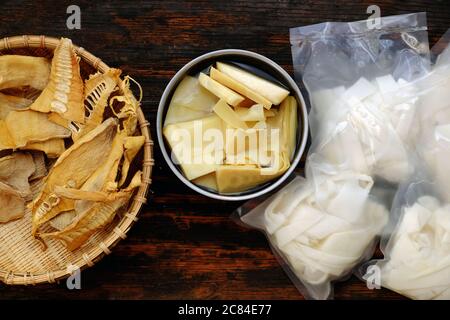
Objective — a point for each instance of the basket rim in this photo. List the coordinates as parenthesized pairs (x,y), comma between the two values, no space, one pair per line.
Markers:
(95,254)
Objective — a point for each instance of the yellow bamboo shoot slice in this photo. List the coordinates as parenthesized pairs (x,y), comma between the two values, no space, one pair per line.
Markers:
(274,127)
(178,113)
(31,126)
(72,169)
(220,90)
(53,148)
(190,94)
(239,87)
(97,90)
(191,147)
(56,118)
(289,125)
(12,103)
(270,113)
(278,165)
(16,169)
(39,163)
(238,178)
(131,145)
(254,113)
(12,203)
(64,91)
(207,181)
(227,114)
(241,170)
(6,141)
(18,71)
(272,92)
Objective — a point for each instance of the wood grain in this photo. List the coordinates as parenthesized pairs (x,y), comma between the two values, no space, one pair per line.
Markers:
(185,246)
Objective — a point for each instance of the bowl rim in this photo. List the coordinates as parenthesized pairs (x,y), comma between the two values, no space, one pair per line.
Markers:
(177,78)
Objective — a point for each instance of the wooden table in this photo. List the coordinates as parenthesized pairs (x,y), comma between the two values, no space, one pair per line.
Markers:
(185,246)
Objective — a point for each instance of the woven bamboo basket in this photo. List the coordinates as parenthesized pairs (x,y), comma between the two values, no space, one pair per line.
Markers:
(22,259)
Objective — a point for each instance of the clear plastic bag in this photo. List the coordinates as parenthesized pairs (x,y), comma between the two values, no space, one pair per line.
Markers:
(313,228)
(358,79)
(416,260)
(417,253)
(434,144)
(323,225)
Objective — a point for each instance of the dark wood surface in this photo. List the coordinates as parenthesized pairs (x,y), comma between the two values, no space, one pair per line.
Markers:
(185,246)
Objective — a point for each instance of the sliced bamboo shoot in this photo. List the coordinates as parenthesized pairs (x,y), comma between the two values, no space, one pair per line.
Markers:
(53,148)
(289,125)
(238,178)
(191,150)
(178,113)
(19,71)
(220,90)
(227,114)
(254,113)
(190,94)
(272,92)
(239,87)
(207,181)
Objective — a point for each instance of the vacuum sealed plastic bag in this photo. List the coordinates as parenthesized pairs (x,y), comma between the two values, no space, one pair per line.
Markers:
(364,134)
(358,79)
(434,145)
(417,254)
(321,231)
(322,226)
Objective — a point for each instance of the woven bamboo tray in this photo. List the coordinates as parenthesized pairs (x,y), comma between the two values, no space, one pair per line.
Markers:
(22,260)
